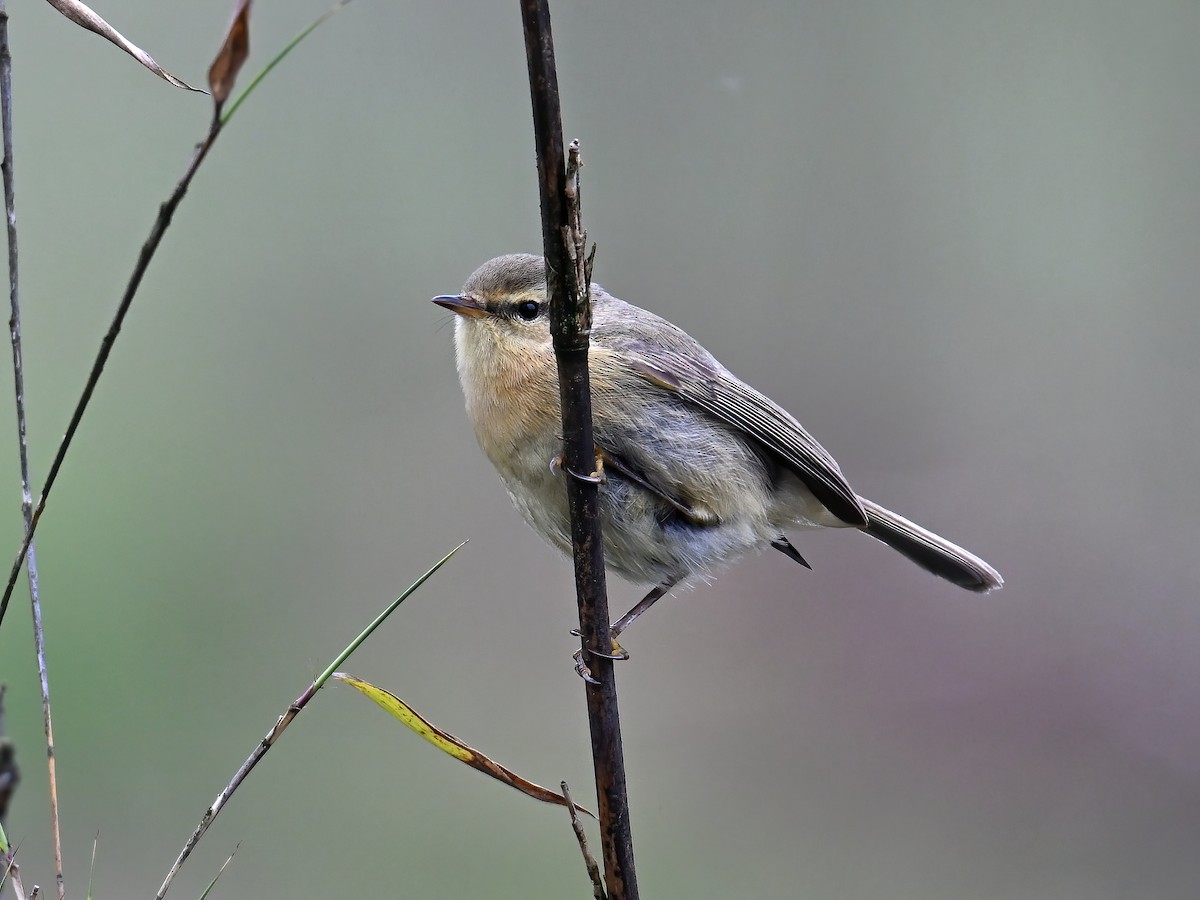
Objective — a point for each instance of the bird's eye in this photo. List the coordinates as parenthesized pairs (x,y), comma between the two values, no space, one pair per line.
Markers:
(529,310)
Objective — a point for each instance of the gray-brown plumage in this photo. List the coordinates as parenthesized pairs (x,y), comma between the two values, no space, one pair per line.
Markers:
(700,467)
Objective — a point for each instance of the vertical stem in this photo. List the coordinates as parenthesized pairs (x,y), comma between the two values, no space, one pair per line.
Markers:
(161,224)
(14,327)
(570,326)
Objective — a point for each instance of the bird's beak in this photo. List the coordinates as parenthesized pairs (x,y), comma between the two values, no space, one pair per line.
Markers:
(464,306)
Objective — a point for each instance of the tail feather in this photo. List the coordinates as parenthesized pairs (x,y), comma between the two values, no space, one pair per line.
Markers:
(929,551)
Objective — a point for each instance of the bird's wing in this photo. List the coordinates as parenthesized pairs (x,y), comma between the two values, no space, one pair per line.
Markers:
(664,492)
(677,363)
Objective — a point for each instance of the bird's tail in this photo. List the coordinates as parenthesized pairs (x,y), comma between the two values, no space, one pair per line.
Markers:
(929,551)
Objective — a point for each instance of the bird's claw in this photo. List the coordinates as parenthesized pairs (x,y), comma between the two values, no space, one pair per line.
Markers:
(581,668)
(597,477)
(619,653)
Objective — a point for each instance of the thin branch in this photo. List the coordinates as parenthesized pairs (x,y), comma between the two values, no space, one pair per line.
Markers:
(589,861)
(161,223)
(14,330)
(39,642)
(281,725)
(9,860)
(15,878)
(570,325)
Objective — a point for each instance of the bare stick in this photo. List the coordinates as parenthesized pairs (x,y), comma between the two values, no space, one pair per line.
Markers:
(570,325)
(589,861)
(281,725)
(9,861)
(239,776)
(15,879)
(14,330)
(161,223)
(229,56)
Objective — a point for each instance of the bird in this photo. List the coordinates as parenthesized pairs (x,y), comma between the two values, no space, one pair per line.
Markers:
(695,467)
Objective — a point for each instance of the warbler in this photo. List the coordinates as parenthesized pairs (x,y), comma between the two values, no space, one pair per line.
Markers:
(697,466)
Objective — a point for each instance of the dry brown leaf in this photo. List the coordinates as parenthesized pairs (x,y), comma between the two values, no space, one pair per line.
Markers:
(83,16)
(224,70)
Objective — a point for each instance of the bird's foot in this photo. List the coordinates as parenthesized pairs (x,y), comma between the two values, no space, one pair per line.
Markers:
(581,668)
(618,654)
(596,477)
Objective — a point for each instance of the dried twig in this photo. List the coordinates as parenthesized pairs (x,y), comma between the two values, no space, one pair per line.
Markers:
(221,117)
(14,329)
(161,223)
(567,280)
(281,725)
(14,877)
(589,861)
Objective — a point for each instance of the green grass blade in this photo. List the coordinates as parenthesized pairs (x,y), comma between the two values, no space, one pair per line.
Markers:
(220,872)
(379,620)
(228,114)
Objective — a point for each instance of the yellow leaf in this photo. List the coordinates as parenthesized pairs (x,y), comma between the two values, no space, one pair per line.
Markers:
(448,743)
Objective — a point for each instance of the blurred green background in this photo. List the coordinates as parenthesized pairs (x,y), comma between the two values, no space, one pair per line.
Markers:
(959,241)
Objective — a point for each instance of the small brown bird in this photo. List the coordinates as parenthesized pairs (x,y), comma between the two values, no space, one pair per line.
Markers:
(698,467)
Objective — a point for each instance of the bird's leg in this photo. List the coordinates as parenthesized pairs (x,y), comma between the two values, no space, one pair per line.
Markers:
(644,604)
(617,627)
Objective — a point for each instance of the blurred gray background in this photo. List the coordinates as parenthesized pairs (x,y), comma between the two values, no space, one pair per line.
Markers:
(957,240)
